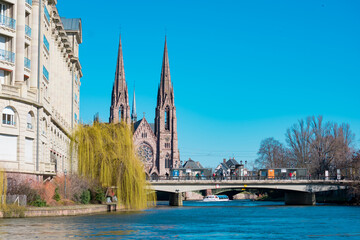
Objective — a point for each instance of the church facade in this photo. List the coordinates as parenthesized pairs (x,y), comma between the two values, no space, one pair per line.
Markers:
(156,143)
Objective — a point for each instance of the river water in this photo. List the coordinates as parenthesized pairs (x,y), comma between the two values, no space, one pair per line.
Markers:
(238,219)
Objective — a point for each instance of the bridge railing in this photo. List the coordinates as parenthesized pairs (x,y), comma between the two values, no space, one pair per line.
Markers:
(243,178)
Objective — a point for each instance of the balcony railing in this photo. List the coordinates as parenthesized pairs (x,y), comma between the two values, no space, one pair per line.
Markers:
(27,63)
(46,43)
(29,2)
(7,22)
(46,73)
(28,31)
(7,56)
(47,14)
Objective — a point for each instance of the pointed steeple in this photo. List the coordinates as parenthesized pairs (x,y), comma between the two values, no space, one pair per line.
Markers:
(165,80)
(119,100)
(119,83)
(133,114)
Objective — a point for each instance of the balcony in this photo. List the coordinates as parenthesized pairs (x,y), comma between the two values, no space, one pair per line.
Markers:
(45,73)
(46,43)
(47,15)
(28,31)
(27,63)
(7,22)
(29,2)
(7,56)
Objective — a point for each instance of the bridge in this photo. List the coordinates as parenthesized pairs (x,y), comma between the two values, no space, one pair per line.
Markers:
(297,192)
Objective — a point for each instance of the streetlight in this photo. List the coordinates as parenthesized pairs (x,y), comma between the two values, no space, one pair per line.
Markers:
(65,183)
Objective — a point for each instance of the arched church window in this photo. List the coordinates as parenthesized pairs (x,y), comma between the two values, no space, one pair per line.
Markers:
(167,118)
(8,116)
(121,112)
(146,153)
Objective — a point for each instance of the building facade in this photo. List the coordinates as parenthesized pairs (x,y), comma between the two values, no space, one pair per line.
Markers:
(40,77)
(156,143)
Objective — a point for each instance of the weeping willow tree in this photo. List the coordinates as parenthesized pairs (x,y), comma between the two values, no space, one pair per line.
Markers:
(106,153)
(3,188)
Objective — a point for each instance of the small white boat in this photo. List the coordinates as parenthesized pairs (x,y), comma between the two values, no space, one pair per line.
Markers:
(216,198)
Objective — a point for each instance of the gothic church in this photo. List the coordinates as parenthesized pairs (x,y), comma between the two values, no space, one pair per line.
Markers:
(156,143)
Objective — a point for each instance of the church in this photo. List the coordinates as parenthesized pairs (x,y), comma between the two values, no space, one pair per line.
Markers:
(156,143)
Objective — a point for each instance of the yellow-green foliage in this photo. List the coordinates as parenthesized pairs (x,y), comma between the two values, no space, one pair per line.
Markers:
(3,188)
(106,152)
(14,211)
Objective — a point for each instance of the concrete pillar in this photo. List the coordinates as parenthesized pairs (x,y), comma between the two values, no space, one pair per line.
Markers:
(300,198)
(20,41)
(34,43)
(175,199)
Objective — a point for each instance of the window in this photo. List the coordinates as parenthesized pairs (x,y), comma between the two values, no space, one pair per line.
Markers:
(29,150)
(47,15)
(145,153)
(121,113)
(168,161)
(44,127)
(45,73)
(3,8)
(2,77)
(167,145)
(75,117)
(46,43)
(29,120)
(8,147)
(167,118)
(8,116)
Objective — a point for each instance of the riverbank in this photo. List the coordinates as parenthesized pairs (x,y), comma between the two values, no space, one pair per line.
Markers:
(58,211)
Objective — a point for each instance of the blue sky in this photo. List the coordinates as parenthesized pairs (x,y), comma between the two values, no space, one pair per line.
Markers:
(242,70)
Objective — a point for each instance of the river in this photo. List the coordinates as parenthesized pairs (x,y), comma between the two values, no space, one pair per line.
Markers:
(238,219)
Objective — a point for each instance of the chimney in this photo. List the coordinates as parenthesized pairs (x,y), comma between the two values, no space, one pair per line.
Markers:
(224,160)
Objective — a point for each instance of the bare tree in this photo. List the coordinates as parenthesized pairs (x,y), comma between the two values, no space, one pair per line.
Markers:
(298,138)
(320,146)
(272,154)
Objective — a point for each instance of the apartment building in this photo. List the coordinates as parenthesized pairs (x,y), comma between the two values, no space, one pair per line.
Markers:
(40,76)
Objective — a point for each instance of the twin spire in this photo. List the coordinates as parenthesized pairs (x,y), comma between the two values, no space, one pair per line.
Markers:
(119,99)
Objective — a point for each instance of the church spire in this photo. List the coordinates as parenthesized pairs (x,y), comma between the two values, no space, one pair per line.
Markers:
(133,114)
(165,81)
(119,99)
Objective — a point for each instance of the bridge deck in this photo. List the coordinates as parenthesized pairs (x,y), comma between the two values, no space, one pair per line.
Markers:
(291,185)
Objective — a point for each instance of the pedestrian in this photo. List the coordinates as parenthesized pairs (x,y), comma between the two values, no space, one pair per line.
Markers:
(290,175)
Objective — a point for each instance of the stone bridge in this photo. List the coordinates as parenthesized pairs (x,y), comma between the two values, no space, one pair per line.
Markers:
(298,192)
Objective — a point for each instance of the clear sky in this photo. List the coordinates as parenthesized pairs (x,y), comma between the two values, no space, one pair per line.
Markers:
(242,70)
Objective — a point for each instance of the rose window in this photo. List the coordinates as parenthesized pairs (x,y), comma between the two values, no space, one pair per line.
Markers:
(145,153)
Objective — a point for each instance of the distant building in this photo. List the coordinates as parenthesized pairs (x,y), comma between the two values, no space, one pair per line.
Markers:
(156,143)
(40,76)
(193,170)
(230,168)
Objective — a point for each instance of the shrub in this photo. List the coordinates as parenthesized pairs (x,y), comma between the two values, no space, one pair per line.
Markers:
(97,195)
(13,210)
(38,202)
(85,197)
(56,195)
(22,188)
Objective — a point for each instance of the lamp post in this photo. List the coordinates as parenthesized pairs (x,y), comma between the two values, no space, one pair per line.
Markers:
(65,183)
